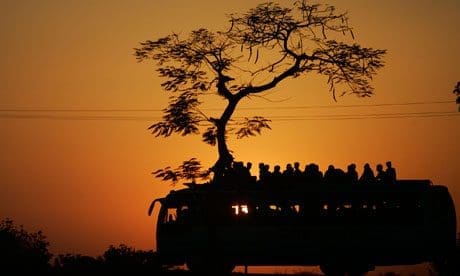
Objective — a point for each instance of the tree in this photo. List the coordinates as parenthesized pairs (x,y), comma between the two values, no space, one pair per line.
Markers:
(269,42)
(22,251)
(457,92)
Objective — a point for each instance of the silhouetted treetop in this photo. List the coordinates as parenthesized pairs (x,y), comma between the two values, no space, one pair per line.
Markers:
(300,37)
(22,251)
(261,48)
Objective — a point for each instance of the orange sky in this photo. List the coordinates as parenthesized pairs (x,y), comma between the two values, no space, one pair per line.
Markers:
(87,183)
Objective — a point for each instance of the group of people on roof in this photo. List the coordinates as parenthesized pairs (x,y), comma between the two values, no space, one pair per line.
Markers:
(292,175)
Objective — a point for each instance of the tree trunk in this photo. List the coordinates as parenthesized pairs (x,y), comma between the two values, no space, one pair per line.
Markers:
(225,157)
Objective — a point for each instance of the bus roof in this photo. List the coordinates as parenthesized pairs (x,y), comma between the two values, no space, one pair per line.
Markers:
(203,190)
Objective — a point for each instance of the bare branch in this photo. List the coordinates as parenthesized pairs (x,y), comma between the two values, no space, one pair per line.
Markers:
(210,136)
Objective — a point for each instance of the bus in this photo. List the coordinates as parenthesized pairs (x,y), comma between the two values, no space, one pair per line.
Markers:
(341,228)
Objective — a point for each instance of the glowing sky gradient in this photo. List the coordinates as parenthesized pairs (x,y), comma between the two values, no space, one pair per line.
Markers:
(87,183)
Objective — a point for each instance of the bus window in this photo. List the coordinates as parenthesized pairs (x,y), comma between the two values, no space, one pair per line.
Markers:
(274,208)
(183,213)
(240,209)
(171,215)
(295,208)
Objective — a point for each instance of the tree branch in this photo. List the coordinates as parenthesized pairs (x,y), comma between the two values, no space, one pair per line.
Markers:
(293,70)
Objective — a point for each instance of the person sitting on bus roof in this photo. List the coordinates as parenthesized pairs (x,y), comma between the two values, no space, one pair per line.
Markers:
(261,170)
(298,175)
(308,174)
(297,172)
(277,171)
(251,177)
(229,177)
(352,174)
(242,175)
(288,173)
(246,170)
(390,173)
(267,171)
(234,177)
(329,175)
(276,177)
(316,173)
(264,173)
(368,175)
(381,175)
(340,177)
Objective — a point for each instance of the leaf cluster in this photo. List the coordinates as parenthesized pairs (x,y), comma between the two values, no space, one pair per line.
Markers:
(252,126)
(189,170)
(22,250)
(180,116)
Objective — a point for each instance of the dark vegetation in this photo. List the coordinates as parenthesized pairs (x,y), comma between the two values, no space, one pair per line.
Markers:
(23,252)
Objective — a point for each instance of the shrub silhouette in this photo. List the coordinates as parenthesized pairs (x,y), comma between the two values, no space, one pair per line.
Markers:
(76,264)
(126,259)
(22,251)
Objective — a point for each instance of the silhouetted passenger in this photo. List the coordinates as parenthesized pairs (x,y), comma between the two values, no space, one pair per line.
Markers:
(277,171)
(318,175)
(288,173)
(249,167)
(340,177)
(390,173)
(233,176)
(307,172)
(352,174)
(368,175)
(312,175)
(268,174)
(329,175)
(247,173)
(298,177)
(297,172)
(261,171)
(276,176)
(381,175)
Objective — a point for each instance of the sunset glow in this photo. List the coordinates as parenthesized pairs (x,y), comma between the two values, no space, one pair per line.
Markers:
(76,156)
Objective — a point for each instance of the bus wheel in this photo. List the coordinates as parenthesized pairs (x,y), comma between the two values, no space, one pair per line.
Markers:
(357,272)
(359,269)
(201,265)
(332,270)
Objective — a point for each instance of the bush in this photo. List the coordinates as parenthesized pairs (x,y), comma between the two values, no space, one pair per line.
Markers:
(22,251)
(76,264)
(126,259)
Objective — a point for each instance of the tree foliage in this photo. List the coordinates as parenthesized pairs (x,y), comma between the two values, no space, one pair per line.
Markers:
(261,48)
(189,170)
(22,251)
(116,260)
